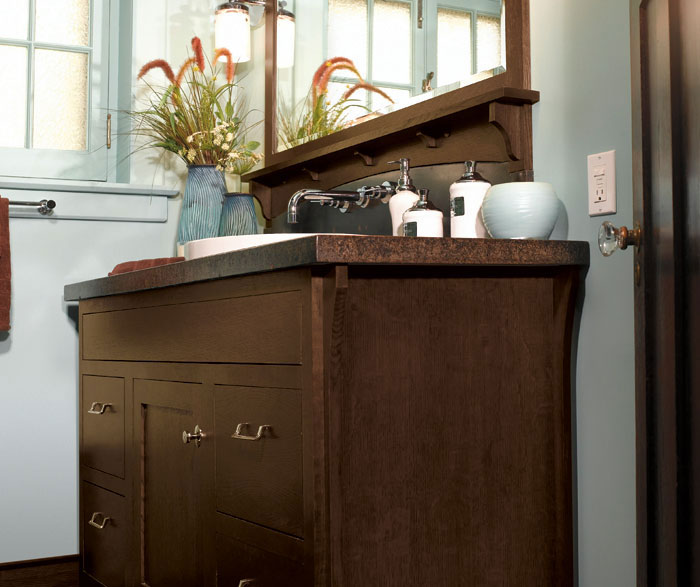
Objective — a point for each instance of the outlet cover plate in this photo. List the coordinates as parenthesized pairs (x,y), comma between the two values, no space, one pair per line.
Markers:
(602,197)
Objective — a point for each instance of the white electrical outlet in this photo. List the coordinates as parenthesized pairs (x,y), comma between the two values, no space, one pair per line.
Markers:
(602,198)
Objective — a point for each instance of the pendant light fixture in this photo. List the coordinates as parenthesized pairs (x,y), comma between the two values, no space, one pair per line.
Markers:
(232,31)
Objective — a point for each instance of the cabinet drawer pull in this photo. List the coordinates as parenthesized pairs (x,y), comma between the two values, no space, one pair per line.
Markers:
(99,525)
(98,408)
(239,436)
(246,583)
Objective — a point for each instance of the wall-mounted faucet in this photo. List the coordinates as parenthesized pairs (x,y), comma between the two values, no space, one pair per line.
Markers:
(340,199)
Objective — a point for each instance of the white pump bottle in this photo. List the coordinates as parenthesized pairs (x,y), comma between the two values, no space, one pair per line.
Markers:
(405,197)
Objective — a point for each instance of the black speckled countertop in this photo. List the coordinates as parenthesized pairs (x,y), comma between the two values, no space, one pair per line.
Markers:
(341,249)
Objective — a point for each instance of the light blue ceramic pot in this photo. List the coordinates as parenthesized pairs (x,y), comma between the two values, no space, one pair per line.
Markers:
(522,210)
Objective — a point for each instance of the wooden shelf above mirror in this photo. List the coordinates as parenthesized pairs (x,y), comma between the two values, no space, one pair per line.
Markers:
(494,126)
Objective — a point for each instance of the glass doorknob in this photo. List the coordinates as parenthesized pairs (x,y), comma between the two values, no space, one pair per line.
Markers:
(611,238)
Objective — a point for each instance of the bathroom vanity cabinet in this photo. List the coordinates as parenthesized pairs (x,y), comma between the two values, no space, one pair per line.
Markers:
(333,411)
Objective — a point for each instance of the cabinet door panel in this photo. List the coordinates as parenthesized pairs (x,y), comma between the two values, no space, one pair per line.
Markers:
(104,548)
(260,481)
(102,416)
(171,476)
(241,565)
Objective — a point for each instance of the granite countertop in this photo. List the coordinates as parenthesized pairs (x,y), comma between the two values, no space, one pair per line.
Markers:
(341,249)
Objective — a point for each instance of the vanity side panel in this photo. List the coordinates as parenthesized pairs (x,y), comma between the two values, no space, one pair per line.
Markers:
(445,425)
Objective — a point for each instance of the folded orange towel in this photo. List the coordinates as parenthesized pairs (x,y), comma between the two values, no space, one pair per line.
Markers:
(143,264)
(5,272)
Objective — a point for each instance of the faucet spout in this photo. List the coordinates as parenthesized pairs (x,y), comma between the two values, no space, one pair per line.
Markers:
(338,199)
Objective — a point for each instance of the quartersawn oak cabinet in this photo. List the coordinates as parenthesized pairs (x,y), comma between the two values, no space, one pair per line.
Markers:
(337,425)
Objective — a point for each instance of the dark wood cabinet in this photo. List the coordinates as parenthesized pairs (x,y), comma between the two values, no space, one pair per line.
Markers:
(379,426)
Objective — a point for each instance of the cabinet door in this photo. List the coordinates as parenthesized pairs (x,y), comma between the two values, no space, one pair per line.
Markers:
(174,482)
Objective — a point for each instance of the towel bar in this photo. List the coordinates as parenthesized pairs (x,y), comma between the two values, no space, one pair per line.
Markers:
(45,207)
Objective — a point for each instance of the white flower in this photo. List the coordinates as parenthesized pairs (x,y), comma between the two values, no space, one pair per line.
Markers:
(190,138)
(217,140)
(234,155)
(191,155)
(219,168)
(225,146)
(229,137)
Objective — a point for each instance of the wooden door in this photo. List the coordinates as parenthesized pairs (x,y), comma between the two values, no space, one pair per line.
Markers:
(666,122)
(174,482)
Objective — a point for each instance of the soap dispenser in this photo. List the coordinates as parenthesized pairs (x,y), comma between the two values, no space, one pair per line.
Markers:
(405,197)
(422,219)
(466,197)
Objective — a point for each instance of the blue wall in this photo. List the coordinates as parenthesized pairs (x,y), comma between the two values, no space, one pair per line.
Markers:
(581,66)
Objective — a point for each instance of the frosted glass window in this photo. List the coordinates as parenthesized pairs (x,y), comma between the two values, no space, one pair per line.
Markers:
(398,96)
(13,100)
(347,33)
(60,100)
(14,19)
(356,106)
(488,42)
(392,55)
(65,22)
(454,46)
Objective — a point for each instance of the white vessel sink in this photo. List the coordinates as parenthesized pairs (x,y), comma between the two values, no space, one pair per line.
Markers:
(225,244)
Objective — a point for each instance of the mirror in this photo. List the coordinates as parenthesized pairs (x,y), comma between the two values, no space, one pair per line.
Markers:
(343,62)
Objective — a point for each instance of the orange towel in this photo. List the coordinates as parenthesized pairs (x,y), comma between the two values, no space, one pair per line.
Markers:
(143,264)
(5,272)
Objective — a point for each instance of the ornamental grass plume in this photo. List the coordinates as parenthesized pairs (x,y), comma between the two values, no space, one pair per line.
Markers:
(318,116)
(200,120)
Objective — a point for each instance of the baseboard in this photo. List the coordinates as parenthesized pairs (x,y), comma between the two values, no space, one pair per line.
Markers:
(59,571)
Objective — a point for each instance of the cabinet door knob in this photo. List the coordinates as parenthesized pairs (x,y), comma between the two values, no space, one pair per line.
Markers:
(611,238)
(188,437)
(98,408)
(238,434)
(96,524)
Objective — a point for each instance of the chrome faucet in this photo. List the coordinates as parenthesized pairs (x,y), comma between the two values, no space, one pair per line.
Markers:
(339,199)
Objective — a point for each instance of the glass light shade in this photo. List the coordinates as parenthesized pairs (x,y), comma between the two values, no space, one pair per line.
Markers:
(285,41)
(232,31)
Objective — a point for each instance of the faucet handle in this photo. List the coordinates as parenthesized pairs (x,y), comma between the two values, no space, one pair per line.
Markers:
(382,192)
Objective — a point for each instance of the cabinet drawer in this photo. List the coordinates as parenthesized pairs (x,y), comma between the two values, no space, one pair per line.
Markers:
(102,415)
(260,480)
(241,565)
(104,535)
(262,329)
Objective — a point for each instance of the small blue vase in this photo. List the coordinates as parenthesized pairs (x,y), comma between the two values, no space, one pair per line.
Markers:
(202,203)
(238,216)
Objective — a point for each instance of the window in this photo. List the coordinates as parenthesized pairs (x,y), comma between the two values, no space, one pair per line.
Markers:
(457,38)
(53,111)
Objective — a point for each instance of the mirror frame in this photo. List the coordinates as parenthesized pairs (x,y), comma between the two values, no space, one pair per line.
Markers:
(468,114)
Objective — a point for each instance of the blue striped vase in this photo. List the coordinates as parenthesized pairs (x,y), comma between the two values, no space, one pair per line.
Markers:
(238,216)
(202,203)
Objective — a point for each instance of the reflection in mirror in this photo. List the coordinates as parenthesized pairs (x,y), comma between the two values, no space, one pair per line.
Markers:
(358,59)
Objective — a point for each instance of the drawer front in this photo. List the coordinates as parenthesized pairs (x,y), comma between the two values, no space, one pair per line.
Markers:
(241,565)
(102,415)
(260,480)
(254,329)
(104,552)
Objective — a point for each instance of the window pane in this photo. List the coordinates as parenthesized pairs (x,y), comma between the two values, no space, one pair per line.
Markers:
(488,42)
(13,103)
(357,104)
(65,22)
(392,57)
(347,32)
(454,58)
(398,96)
(14,19)
(60,100)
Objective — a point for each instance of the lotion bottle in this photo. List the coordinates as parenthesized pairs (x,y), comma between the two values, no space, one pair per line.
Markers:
(406,196)
(422,219)
(466,197)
